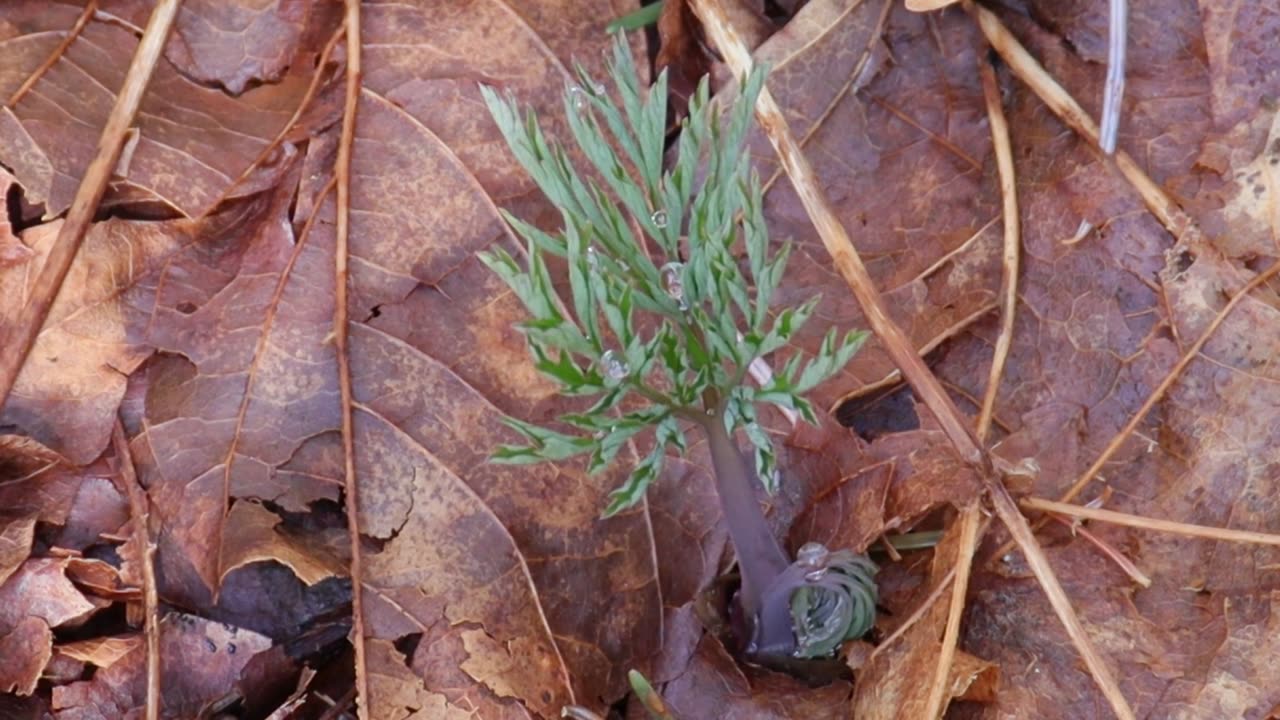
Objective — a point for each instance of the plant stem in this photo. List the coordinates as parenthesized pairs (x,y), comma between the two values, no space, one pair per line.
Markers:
(760,556)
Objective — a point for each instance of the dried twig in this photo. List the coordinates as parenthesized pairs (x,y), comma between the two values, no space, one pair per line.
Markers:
(146,561)
(1012,244)
(1069,111)
(718,28)
(915,615)
(90,8)
(970,519)
(1113,554)
(1039,564)
(15,348)
(1138,521)
(1009,292)
(340,327)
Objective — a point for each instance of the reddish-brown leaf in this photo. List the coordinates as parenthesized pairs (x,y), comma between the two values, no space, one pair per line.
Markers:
(203,659)
(714,686)
(192,140)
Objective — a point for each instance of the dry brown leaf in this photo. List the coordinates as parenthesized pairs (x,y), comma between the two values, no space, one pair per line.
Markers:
(237,43)
(203,659)
(714,686)
(193,141)
(897,681)
(497,591)
(1104,320)
(34,600)
(25,649)
(98,509)
(12,250)
(901,152)
(74,378)
(103,651)
(15,544)
(101,579)
(255,538)
(40,589)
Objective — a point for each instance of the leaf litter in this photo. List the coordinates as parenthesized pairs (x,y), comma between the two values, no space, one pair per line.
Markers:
(497,590)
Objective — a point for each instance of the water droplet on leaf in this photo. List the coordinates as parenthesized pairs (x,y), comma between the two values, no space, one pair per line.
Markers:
(578,96)
(659,218)
(673,282)
(613,366)
(813,554)
(593,259)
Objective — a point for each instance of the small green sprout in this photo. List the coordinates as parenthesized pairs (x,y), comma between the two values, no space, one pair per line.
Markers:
(670,283)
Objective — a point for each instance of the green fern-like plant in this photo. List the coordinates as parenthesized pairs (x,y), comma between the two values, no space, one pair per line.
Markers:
(686,247)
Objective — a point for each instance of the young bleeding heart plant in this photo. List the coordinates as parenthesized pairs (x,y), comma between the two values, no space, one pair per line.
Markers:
(676,317)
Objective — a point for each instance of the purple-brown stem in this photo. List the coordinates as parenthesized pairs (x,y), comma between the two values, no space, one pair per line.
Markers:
(760,556)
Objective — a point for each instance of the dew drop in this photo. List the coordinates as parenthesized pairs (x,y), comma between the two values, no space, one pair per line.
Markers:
(578,96)
(815,575)
(612,366)
(813,554)
(593,259)
(673,281)
(659,218)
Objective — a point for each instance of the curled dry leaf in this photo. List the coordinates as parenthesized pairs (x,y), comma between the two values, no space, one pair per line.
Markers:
(34,600)
(15,544)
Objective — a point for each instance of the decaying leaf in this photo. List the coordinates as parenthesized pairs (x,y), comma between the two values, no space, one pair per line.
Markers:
(193,141)
(202,661)
(899,677)
(497,591)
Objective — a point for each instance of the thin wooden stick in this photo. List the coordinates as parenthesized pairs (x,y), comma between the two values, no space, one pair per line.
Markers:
(15,348)
(340,328)
(85,15)
(1009,286)
(716,24)
(1138,521)
(1029,70)
(146,558)
(1168,381)
(1113,554)
(915,616)
(1039,564)
(970,519)
(307,97)
(1012,244)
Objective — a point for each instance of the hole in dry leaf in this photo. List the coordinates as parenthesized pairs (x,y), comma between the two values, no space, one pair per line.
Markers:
(1257,263)
(20,213)
(1183,261)
(408,645)
(149,210)
(186,308)
(887,411)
